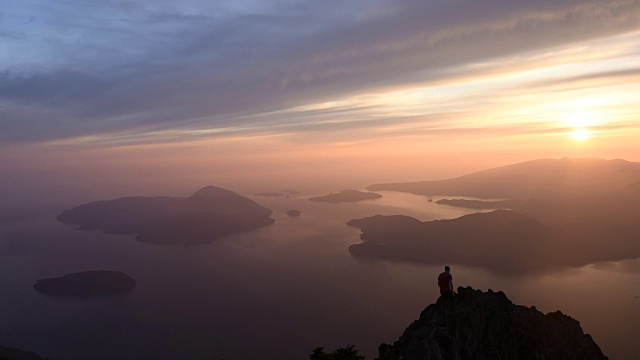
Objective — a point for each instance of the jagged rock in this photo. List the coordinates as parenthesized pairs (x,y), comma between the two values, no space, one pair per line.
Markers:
(478,325)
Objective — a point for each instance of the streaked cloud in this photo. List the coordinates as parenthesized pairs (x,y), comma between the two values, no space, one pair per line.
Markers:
(119,72)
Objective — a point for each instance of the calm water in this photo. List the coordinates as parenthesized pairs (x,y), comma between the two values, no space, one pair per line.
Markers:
(273,293)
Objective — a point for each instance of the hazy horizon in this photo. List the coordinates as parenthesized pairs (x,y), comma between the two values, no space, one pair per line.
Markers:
(123,98)
(102,100)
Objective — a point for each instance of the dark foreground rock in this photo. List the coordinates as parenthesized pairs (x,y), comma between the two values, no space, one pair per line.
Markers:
(7,353)
(487,326)
(87,284)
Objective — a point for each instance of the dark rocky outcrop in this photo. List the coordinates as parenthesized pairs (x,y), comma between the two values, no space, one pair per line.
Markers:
(87,284)
(205,216)
(8,353)
(346,196)
(486,326)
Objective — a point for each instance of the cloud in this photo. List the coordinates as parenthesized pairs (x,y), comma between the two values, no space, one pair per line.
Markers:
(149,67)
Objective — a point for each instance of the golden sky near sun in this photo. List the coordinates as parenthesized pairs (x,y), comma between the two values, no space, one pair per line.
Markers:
(576,100)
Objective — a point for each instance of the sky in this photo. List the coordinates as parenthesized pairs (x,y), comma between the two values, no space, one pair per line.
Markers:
(115,98)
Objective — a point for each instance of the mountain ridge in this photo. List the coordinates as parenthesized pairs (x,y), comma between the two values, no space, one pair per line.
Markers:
(534,178)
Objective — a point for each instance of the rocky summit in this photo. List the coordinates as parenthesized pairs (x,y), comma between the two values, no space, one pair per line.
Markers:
(488,326)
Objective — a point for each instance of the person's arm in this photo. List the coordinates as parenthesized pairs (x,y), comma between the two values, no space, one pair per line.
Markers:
(451,284)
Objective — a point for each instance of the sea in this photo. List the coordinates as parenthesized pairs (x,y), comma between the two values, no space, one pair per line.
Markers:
(274,293)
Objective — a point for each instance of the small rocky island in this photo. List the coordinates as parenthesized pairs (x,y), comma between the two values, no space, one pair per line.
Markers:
(207,215)
(294,213)
(87,284)
(346,196)
(487,325)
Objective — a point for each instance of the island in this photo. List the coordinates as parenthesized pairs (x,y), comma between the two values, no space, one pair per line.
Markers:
(294,213)
(283,193)
(87,284)
(205,216)
(504,242)
(552,213)
(479,204)
(346,196)
(270,194)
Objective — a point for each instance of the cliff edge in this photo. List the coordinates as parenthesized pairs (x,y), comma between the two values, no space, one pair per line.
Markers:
(487,325)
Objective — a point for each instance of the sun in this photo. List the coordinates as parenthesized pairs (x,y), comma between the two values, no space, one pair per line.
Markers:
(580,134)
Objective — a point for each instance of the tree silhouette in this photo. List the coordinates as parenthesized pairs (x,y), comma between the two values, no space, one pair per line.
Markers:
(345,353)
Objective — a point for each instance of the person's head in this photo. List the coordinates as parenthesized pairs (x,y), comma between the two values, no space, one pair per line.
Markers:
(447,268)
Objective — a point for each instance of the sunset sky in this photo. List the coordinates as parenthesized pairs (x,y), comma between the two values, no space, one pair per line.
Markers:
(158,96)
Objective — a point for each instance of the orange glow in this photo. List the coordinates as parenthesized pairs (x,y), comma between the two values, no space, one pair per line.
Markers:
(580,134)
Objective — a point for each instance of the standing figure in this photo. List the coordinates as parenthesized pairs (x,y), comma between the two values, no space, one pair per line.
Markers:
(445,282)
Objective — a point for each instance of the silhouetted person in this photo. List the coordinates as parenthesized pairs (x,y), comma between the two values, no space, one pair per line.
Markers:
(445,282)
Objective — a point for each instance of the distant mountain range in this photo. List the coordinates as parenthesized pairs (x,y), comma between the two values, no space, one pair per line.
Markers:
(207,215)
(531,179)
(566,212)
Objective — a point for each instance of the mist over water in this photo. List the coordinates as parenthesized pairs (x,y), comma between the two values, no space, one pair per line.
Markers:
(276,292)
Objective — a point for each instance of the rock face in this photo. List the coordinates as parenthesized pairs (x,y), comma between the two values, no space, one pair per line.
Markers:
(487,325)
(87,284)
(207,215)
